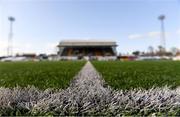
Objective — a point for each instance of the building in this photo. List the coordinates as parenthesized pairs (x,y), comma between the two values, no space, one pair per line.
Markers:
(127,58)
(100,50)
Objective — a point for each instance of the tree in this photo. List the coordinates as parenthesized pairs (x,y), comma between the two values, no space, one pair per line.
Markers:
(151,50)
(161,50)
(136,53)
(174,50)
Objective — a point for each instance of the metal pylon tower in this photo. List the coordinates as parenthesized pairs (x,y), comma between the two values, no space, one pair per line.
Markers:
(10,37)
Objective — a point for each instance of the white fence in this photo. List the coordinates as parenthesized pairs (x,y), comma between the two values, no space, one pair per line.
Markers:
(100,58)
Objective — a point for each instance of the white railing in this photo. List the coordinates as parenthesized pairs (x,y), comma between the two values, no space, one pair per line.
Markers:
(106,58)
(100,58)
(68,58)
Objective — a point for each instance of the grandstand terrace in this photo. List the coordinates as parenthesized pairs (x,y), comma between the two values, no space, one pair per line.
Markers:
(83,49)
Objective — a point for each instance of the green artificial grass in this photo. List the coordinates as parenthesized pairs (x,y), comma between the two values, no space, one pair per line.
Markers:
(39,74)
(139,74)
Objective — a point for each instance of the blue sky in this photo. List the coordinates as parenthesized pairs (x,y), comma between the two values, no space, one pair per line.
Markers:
(133,24)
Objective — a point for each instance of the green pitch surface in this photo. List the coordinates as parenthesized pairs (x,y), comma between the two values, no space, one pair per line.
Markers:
(40,74)
(139,74)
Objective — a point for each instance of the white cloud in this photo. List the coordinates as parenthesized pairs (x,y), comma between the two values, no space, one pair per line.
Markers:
(3,47)
(3,44)
(148,35)
(27,47)
(22,47)
(135,36)
(153,34)
(178,31)
(51,45)
(17,47)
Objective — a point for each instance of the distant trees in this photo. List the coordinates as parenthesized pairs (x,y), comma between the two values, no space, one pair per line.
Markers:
(151,49)
(136,53)
(160,51)
(174,50)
